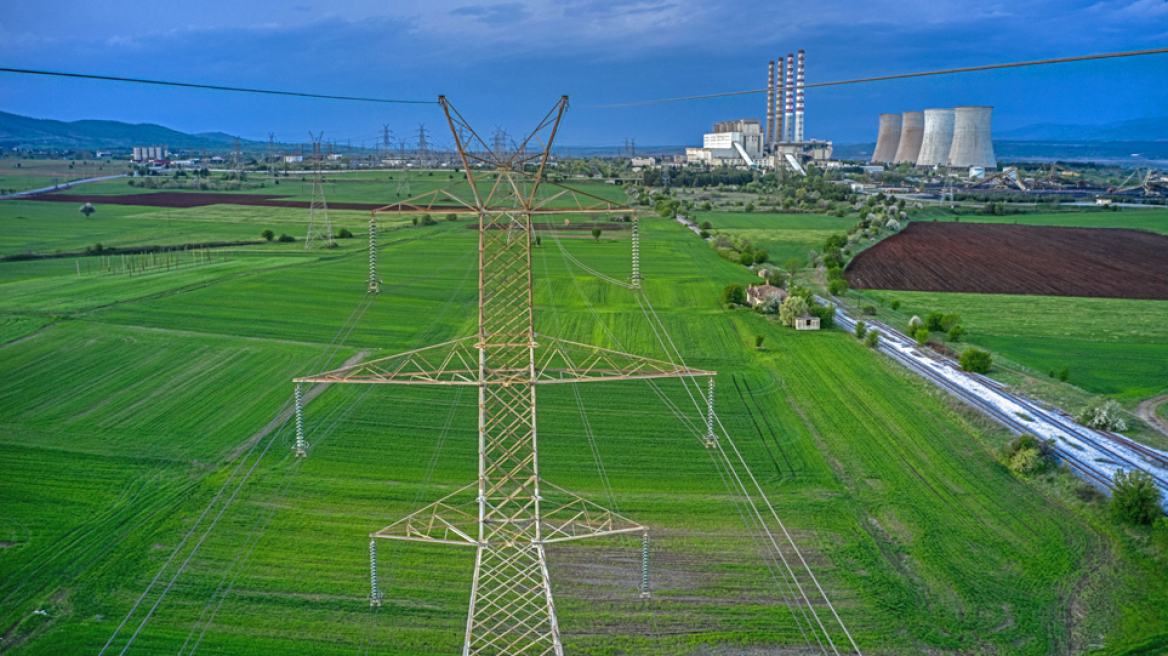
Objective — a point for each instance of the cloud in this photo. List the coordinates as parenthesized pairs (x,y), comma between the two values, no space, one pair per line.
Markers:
(500,14)
(1146,9)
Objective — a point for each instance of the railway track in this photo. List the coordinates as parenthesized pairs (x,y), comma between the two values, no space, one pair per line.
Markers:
(1094,455)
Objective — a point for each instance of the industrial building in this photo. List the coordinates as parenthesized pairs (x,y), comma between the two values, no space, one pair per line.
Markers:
(149,153)
(957,138)
(778,144)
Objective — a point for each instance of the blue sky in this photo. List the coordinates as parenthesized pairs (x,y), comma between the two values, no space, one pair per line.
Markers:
(504,63)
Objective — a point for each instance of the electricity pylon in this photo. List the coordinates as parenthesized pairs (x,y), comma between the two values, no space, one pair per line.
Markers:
(510,513)
(319,227)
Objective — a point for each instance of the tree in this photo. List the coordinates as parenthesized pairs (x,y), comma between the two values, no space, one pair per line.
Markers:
(596,233)
(955,334)
(792,308)
(861,330)
(749,207)
(428,220)
(935,322)
(793,265)
(758,340)
(976,360)
(895,304)
(950,320)
(1136,499)
(921,335)
(706,225)
(538,240)
(760,256)
(287,238)
(837,287)
(872,338)
(1064,373)
(733,294)
(87,209)
(345,233)
(1025,461)
(451,217)
(914,323)
(268,235)
(415,220)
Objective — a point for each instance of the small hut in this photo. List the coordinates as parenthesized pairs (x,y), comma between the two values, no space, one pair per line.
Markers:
(806,322)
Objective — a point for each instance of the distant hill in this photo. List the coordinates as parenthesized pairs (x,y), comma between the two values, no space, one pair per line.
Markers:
(18,131)
(1140,129)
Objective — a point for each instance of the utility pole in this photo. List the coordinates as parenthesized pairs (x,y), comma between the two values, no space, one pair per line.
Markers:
(238,163)
(319,227)
(511,513)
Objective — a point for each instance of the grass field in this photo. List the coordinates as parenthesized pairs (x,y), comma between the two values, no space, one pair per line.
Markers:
(41,173)
(783,236)
(125,413)
(1155,220)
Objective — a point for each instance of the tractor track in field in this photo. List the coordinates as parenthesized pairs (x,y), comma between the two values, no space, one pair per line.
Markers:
(747,399)
(1147,411)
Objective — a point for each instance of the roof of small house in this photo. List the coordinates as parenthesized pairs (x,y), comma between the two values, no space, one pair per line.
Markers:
(762,291)
(808,317)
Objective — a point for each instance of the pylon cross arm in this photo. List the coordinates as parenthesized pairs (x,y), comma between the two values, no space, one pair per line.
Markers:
(452,519)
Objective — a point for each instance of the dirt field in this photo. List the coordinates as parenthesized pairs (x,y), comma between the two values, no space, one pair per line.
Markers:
(1017,259)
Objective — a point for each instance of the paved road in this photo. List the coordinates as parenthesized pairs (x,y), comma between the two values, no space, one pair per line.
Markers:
(1094,455)
(63,185)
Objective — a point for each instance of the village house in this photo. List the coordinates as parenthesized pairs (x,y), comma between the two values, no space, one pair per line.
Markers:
(756,294)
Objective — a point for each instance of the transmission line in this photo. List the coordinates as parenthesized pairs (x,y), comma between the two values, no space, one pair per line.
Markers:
(212,87)
(900,76)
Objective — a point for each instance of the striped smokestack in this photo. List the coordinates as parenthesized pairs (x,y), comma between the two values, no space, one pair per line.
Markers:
(789,101)
(779,95)
(799,100)
(770,110)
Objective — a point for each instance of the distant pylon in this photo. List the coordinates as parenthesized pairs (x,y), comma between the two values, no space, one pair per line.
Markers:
(664,176)
(374,283)
(319,227)
(272,155)
(238,161)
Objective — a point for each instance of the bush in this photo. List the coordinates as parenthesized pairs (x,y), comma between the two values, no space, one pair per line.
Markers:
(861,329)
(733,294)
(758,340)
(837,287)
(922,335)
(976,361)
(268,235)
(415,220)
(452,217)
(792,308)
(344,234)
(913,324)
(835,273)
(935,322)
(1102,414)
(428,220)
(704,235)
(287,238)
(760,257)
(869,310)
(1064,373)
(826,315)
(1160,532)
(1025,461)
(895,304)
(955,334)
(872,338)
(950,320)
(706,225)
(1136,499)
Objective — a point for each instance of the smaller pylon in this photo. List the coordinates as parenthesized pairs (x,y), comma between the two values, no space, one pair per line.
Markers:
(636,277)
(301,445)
(374,592)
(645,594)
(374,283)
(665,176)
(711,437)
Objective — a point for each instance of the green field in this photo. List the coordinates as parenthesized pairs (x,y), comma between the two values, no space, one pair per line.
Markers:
(1155,220)
(132,401)
(18,174)
(783,236)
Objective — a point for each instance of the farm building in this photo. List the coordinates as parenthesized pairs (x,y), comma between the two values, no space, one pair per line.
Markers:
(756,294)
(807,322)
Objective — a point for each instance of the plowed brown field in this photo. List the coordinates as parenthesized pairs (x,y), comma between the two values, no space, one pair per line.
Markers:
(992,258)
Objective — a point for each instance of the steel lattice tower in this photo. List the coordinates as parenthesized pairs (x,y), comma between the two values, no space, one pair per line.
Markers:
(319,227)
(510,513)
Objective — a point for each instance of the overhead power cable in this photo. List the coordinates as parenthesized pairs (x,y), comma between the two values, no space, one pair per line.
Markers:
(213,87)
(901,76)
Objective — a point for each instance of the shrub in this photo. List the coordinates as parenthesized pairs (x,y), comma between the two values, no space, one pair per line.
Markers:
(758,340)
(935,322)
(837,287)
(914,323)
(1136,499)
(287,238)
(861,329)
(872,338)
(1160,532)
(895,304)
(268,235)
(950,320)
(596,233)
(1025,461)
(760,257)
(452,217)
(835,273)
(1064,373)
(415,220)
(344,233)
(1102,414)
(792,308)
(87,209)
(428,220)
(976,360)
(733,294)
(826,315)
(921,335)
(704,235)
(706,225)
(955,334)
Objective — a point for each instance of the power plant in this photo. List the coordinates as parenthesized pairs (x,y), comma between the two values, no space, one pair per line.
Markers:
(912,132)
(959,138)
(938,138)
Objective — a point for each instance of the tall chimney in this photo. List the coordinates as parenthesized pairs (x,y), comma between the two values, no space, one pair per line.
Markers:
(779,96)
(789,109)
(799,100)
(770,109)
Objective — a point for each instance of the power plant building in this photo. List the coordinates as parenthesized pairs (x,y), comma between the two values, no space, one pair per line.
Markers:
(732,143)
(972,139)
(888,139)
(938,138)
(149,153)
(912,132)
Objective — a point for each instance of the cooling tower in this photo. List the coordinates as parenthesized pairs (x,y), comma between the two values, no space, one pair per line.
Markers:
(912,132)
(972,142)
(799,100)
(938,138)
(888,140)
(789,100)
(770,110)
